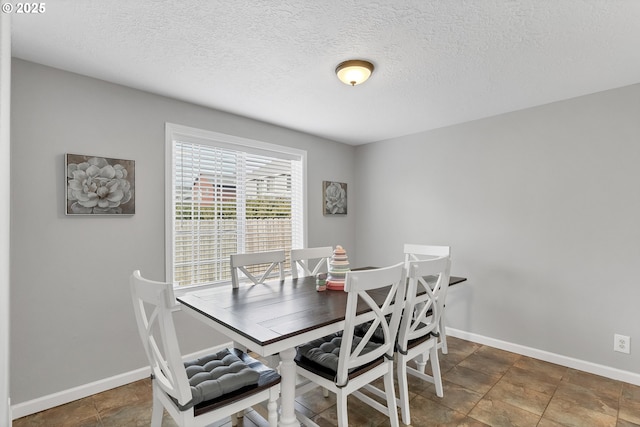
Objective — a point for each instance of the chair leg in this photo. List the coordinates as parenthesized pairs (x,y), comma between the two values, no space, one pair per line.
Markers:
(403,390)
(443,335)
(435,370)
(156,413)
(421,362)
(272,409)
(234,419)
(325,392)
(341,407)
(391,397)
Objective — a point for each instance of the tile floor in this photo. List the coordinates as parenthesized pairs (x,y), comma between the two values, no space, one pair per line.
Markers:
(483,386)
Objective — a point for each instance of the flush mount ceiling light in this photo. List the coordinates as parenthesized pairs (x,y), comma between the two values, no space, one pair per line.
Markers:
(354,71)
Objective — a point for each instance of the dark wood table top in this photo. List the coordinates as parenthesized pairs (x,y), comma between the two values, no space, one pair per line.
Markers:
(274,311)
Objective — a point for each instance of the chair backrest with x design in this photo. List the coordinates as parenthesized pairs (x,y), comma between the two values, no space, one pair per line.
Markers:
(424,301)
(413,252)
(360,286)
(301,258)
(242,262)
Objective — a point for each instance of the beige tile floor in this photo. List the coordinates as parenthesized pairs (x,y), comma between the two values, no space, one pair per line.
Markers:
(483,386)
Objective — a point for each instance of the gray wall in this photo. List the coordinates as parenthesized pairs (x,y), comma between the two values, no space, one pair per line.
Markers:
(71,314)
(542,209)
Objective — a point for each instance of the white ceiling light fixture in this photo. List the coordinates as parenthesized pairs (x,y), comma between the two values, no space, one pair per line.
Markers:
(354,71)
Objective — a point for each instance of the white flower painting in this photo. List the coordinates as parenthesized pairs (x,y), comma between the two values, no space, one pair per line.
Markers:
(334,198)
(99,185)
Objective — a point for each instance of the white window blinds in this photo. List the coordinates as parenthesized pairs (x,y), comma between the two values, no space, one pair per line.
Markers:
(230,198)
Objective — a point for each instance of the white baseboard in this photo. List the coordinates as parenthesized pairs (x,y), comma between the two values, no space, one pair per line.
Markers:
(60,398)
(23,409)
(570,362)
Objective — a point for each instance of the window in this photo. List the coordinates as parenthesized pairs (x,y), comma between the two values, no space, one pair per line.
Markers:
(228,195)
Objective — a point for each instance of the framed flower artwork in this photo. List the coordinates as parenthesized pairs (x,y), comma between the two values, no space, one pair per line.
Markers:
(334,198)
(99,185)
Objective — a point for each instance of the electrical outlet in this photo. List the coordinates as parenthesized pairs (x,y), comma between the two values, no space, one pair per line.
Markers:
(622,343)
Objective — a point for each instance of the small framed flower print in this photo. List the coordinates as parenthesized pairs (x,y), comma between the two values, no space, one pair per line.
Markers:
(334,198)
(99,185)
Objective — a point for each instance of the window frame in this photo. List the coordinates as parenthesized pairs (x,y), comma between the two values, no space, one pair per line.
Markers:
(190,134)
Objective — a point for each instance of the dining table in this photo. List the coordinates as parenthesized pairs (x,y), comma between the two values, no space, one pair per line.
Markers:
(272,318)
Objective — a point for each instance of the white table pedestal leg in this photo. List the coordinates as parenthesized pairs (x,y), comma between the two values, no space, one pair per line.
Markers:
(288,389)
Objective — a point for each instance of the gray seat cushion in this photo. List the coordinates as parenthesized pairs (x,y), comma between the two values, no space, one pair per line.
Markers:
(218,374)
(325,351)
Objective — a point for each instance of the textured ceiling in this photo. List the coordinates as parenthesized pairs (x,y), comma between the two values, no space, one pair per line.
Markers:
(437,62)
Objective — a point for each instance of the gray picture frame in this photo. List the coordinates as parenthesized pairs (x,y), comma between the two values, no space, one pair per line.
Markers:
(334,198)
(96,185)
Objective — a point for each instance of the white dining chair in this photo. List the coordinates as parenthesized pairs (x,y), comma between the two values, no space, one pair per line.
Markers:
(343,363)
(243,262)
(413,252)
(302,259)
(202,391)
(418,332)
